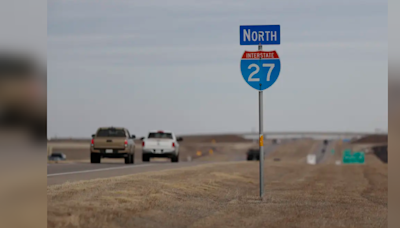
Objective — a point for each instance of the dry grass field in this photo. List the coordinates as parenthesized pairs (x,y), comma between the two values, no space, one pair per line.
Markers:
(226,195)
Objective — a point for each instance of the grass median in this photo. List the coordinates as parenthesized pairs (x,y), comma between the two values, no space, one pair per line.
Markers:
(226,195)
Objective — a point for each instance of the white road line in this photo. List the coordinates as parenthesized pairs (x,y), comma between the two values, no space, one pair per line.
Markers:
(58,164)
(97,170)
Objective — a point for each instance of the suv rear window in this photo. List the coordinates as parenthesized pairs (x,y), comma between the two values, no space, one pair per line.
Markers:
(111,133)
(159,135)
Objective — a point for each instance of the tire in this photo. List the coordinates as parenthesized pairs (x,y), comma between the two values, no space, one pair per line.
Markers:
(145,158)
(249,157)
(175,158)
(129,159)
(95,158)
(132,158)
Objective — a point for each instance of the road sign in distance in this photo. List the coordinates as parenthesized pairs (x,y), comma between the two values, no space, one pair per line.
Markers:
(260,34)
(352,158)
(260,69)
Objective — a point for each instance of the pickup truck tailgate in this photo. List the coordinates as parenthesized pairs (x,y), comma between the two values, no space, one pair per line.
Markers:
(109,143)
(158,143)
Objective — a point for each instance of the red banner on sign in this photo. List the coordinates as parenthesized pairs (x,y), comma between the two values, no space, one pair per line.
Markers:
(260,54)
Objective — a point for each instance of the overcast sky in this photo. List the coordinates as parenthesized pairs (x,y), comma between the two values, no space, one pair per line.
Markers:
(175,65)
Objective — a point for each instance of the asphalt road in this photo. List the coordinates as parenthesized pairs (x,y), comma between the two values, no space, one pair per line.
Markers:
(70,172)
(323,152)
(271,148)
(60,173)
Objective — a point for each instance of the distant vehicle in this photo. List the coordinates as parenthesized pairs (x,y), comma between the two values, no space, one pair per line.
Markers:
(57,157)
(253,154)
(160,144)
(276,141)
(112,142)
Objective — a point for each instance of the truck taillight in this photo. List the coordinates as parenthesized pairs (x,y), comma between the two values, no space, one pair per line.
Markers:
(126,143)
(92,142)
(142,144)
(173,144)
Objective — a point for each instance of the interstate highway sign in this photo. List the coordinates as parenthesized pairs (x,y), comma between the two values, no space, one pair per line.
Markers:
(260,34)
(260,69)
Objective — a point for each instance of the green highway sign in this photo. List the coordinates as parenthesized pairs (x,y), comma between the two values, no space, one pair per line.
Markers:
(347,152)
(350,157)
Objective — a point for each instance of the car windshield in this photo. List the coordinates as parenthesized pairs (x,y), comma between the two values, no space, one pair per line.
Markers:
(111,133)
(160,135)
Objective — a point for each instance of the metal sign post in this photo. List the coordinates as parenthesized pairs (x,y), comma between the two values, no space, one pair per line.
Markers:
(261,140)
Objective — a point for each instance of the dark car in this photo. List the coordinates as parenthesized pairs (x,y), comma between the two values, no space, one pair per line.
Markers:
(57,157)
(253,154)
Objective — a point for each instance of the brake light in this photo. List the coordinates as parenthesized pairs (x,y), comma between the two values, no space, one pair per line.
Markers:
(92,142)
(160,132)
(173,144)
(126,142)
(142,144)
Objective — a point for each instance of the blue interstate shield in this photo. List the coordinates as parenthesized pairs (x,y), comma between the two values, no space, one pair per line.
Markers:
(260,69)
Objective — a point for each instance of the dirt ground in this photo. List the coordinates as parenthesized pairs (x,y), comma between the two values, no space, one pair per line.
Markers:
(226,195)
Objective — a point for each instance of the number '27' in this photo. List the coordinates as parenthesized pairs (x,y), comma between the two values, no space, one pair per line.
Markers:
(251,79)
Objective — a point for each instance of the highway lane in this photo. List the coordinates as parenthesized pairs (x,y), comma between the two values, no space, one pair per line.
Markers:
(323,152)
(271,148)
(62,173)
